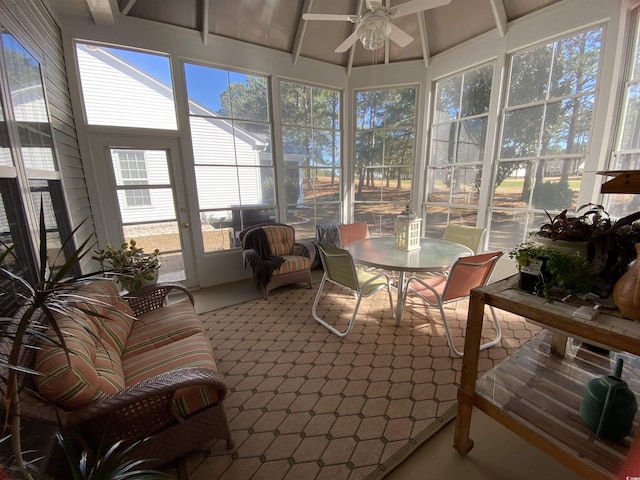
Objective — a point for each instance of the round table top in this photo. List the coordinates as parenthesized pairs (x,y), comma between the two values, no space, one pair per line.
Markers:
(434,254)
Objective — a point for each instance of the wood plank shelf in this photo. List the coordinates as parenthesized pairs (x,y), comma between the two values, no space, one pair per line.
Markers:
(543,392)
(537,393)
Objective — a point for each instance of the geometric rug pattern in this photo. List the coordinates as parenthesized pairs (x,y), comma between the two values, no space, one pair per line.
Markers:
(306,404)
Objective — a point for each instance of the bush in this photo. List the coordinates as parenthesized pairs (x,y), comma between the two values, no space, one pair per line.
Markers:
(552,195)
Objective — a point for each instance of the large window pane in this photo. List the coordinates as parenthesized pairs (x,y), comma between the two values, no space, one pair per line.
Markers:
(384,155)
(25,115)
(126,88)
(231,141)
(626,153)
(545,135)
(29,107)
(457,146)
(312,156)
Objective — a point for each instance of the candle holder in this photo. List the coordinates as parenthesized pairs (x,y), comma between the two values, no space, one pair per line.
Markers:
(406,230)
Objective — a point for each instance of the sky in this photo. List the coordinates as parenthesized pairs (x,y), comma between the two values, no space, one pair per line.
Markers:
(204,84)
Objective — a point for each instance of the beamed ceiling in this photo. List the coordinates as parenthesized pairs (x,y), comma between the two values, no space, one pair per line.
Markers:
(278,24)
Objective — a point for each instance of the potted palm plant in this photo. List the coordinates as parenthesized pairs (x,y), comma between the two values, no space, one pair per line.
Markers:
(134,268)
(28,311)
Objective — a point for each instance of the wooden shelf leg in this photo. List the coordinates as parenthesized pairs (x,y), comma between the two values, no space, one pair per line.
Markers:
(473,336)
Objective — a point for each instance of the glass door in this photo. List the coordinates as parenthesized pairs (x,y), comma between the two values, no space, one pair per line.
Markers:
(147,186)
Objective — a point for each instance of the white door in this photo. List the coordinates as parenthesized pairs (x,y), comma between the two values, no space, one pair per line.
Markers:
(142,177)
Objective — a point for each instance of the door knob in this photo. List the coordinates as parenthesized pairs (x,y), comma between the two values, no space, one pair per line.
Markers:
(185,224)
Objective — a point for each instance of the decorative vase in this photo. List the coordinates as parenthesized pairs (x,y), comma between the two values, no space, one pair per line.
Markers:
(626,293)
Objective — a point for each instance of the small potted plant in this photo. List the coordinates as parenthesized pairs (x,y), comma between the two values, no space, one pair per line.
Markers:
(543,268)
(134,267)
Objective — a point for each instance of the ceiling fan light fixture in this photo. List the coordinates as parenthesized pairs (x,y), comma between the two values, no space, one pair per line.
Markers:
(373,31)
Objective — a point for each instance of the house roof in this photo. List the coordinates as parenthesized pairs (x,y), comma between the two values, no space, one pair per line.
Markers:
(279,24)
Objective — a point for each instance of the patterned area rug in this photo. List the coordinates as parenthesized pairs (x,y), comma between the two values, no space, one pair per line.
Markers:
(306,404)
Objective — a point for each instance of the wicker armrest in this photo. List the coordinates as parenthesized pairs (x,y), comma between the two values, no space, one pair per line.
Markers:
(147,405)
(153,297)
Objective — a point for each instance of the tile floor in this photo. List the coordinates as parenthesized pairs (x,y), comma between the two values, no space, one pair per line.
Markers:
(304,403)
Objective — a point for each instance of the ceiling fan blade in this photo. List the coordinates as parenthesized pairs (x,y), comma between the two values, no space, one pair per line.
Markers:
(399,36)
(415,6)
(330,16)
(348,43)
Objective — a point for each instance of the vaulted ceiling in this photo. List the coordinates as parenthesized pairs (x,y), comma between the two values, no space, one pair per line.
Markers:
(279,24)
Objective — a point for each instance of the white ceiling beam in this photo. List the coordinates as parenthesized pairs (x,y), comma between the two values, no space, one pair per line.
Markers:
(424,38)
(205,21)
(126,6)
(387,4)
(500,16)
(301,30)
(102,11)
(352,50)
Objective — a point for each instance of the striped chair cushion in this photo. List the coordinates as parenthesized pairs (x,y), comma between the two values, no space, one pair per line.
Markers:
(91,371)
(280,239)
(188,352)
(160,327)
(293,263)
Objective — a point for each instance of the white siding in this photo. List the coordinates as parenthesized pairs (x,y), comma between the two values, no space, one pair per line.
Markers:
(140,102)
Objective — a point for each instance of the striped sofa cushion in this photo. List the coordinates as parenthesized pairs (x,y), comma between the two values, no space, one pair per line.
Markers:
(111,314)
(280,239)
(91,371)
(162,326)
(293,263)
(188,352)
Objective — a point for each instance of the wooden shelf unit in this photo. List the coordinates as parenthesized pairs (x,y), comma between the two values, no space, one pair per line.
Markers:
(537,391)
(623,181)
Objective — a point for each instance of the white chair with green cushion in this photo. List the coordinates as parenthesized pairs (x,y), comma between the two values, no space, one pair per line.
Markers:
(340,270)
(471,237)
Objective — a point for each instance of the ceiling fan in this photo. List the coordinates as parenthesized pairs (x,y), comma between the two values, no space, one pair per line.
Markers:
(374,25)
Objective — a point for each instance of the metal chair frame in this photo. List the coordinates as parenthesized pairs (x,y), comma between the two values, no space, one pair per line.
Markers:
(445,289)
(361,283)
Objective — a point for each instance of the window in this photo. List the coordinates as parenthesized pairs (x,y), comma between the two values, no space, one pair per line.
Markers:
(626,154)
(384,155)
(231,136)
(458,139)
(311,132)
(126,88)
(546,122)
(29,176)
(133,170)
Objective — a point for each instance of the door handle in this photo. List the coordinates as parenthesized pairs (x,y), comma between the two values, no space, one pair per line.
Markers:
(185,225)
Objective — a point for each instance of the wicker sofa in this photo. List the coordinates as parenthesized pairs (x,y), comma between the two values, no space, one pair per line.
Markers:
(138,368)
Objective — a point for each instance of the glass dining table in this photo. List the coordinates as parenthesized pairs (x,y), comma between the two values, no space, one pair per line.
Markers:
(433,256)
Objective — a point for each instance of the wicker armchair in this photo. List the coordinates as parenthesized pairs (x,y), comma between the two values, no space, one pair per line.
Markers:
(143,410)
(275,257)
